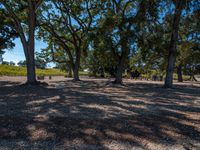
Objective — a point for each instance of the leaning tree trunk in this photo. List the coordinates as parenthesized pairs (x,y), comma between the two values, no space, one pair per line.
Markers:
(193,78)
(173,42)
(179,73)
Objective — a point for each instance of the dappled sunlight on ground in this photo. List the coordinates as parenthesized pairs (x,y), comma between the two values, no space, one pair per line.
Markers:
(92,114)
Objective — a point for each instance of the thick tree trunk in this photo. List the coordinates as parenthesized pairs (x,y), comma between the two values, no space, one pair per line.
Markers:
(120,67)
(76,66)
(29,48)
(76,74)
(170,69)
(118,76)
(30,62)
(124,53)
(179,73)
(173,42)
(31,75)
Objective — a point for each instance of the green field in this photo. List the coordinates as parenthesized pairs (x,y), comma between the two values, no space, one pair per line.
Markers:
(6,70)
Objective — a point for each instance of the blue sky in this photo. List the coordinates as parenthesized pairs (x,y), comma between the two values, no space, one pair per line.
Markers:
(16,54)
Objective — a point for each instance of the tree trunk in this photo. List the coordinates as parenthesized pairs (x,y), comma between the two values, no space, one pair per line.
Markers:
(118,76)
(122,59)
(76,66)
(179,73)
(173,42)
(76,73)
(30,62)
(30,59)
(27,43)
(192,78)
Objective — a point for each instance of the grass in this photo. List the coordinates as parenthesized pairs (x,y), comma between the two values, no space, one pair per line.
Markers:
(82,73)
(185,77)
(6,70)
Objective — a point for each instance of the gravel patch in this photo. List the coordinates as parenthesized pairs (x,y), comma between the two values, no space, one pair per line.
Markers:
(92,114)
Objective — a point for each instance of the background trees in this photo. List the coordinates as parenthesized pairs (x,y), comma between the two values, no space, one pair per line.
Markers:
(73,21)
(120,23)
(111,37)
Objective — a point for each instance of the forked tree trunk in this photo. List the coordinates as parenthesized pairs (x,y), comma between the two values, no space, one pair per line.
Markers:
(27,43)
(173,43)
(30,62)
(179,73)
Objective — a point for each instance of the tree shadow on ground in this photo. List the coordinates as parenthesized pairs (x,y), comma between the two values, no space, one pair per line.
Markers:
(90,115)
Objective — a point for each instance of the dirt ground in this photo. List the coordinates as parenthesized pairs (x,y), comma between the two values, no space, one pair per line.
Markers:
(92,114)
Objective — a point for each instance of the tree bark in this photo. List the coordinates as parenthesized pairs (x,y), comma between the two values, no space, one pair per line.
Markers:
(76,66)
(173,43)
(118,76)
(122,59)
(76,74)
(30,62)
(31,75)
(179,73)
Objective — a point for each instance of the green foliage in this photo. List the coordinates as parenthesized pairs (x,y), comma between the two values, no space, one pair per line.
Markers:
(100,63)
(21,63)
(7,34)
(68,42)
(40,61)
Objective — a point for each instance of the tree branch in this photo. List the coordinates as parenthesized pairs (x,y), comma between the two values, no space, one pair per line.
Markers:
(18,25)
(38,3)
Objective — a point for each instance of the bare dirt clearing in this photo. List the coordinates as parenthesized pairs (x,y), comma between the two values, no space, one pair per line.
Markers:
(92,114)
